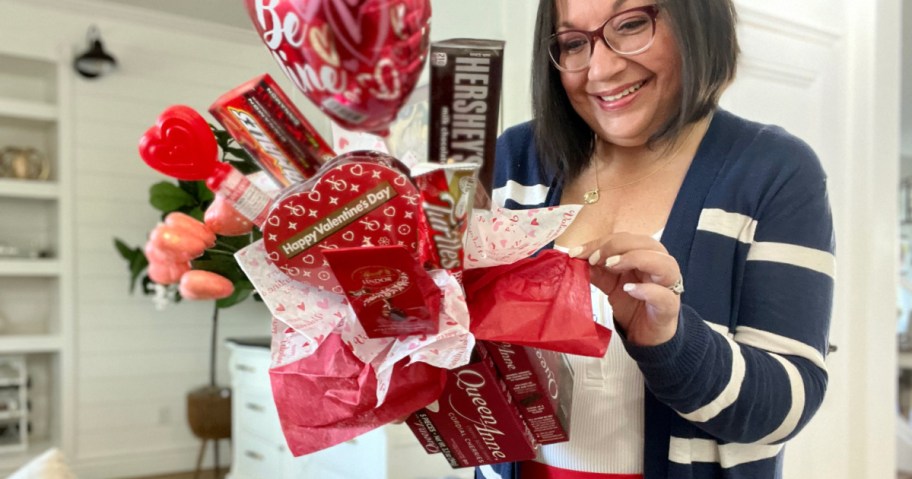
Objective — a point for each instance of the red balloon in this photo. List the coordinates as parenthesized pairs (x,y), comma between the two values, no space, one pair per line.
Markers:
(357,60)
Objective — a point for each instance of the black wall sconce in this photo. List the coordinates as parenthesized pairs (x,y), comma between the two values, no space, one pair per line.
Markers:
(96,61)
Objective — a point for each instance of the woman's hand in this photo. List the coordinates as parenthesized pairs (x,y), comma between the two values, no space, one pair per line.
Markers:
(637,274)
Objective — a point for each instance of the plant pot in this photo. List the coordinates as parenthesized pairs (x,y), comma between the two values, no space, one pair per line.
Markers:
(209,412)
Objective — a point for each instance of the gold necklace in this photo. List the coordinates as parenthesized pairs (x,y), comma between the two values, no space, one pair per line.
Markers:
(592,196)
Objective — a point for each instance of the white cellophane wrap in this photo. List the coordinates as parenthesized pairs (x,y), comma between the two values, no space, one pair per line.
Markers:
(303,315)
(502,236)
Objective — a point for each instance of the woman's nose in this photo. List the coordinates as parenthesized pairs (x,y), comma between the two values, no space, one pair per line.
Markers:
(605,62)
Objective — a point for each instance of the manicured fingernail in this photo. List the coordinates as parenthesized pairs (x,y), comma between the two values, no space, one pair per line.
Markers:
(594,259)
(612,260)
(575,251)
(629,287)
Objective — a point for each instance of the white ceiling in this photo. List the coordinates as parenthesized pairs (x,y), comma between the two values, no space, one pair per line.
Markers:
(224,12)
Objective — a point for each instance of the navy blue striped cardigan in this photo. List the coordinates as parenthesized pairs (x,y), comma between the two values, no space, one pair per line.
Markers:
(752,231)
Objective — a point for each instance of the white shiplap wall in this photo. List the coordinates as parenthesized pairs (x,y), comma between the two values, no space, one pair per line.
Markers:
(134,365)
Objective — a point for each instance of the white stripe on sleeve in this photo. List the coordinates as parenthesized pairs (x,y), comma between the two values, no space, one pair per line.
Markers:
(794,415)
(778,344)
(801,256)
(728,395)
(732,225)
(688,451)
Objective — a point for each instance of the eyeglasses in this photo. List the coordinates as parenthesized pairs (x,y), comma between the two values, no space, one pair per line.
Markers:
(626,33)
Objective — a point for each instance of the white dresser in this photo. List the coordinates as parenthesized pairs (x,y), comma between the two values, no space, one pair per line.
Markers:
(259,450)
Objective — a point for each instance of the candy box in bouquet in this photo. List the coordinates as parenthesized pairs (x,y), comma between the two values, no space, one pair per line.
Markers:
(541,384)
(466,78)
(356,229)
(263,120)
(475,421)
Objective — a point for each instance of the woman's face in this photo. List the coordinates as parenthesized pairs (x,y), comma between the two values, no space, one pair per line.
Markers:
(597,93)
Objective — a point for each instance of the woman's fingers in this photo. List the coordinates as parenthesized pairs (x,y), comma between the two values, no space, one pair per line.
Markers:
(650,266)
(664,305)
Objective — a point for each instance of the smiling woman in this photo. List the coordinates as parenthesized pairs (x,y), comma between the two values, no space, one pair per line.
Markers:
(709,237)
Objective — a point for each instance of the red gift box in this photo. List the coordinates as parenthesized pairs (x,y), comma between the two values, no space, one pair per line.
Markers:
(541,384)
(391,294)
(475,421)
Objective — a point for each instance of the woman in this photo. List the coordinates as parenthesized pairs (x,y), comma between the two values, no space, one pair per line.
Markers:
(707,383)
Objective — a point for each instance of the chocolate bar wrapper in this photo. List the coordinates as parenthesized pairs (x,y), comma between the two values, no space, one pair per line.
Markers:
(541,383)
(475,421)
(466,78)
(272,130)
(447,196)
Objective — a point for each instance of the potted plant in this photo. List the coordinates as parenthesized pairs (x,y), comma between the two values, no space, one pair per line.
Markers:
(209,406)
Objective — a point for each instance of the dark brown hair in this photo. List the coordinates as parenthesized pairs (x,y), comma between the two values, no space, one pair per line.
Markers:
(704,31)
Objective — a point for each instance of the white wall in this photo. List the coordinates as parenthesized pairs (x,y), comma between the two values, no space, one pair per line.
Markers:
(133,364)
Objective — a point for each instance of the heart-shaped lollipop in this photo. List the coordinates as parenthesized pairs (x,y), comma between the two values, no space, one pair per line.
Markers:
(180,145)
(357,200)
(357,60)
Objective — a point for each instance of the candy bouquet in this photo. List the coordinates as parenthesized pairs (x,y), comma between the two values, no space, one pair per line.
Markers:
(392,295)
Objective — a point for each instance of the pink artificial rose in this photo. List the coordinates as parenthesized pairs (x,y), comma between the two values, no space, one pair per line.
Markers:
(197,284)
(223,219)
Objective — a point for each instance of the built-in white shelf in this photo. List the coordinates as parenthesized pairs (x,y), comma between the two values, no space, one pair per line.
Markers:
(29,267)
(41,343)
(29,189)
(27,110)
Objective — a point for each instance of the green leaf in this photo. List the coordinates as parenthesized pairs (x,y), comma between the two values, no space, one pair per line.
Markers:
(198,190)
(241,292)
(147,285)
(138,264)
(167,197)
(197,213)
(224,265)
(136,261)
(233,243)
(125,251)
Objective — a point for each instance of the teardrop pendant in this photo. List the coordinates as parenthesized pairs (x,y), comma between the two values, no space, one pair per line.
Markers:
(591,197)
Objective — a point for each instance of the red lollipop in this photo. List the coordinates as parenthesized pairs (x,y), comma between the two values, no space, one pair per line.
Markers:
(357,60)
(181,145)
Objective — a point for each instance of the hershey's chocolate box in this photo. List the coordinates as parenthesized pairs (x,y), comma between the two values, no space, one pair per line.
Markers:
(541,383)
(466,78)
(475,421)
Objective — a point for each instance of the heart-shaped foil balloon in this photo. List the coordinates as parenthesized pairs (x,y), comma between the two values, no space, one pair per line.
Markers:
(359,199)
(357,60)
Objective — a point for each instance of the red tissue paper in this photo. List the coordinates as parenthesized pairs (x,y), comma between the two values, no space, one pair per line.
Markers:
(542,301)
(329,397)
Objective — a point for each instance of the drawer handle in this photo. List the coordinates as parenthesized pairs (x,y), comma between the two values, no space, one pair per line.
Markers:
(253,455)
(255,407)
(245,368)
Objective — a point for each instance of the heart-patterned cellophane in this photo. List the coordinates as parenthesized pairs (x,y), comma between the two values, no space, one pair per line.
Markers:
(362,198)
(356,60)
